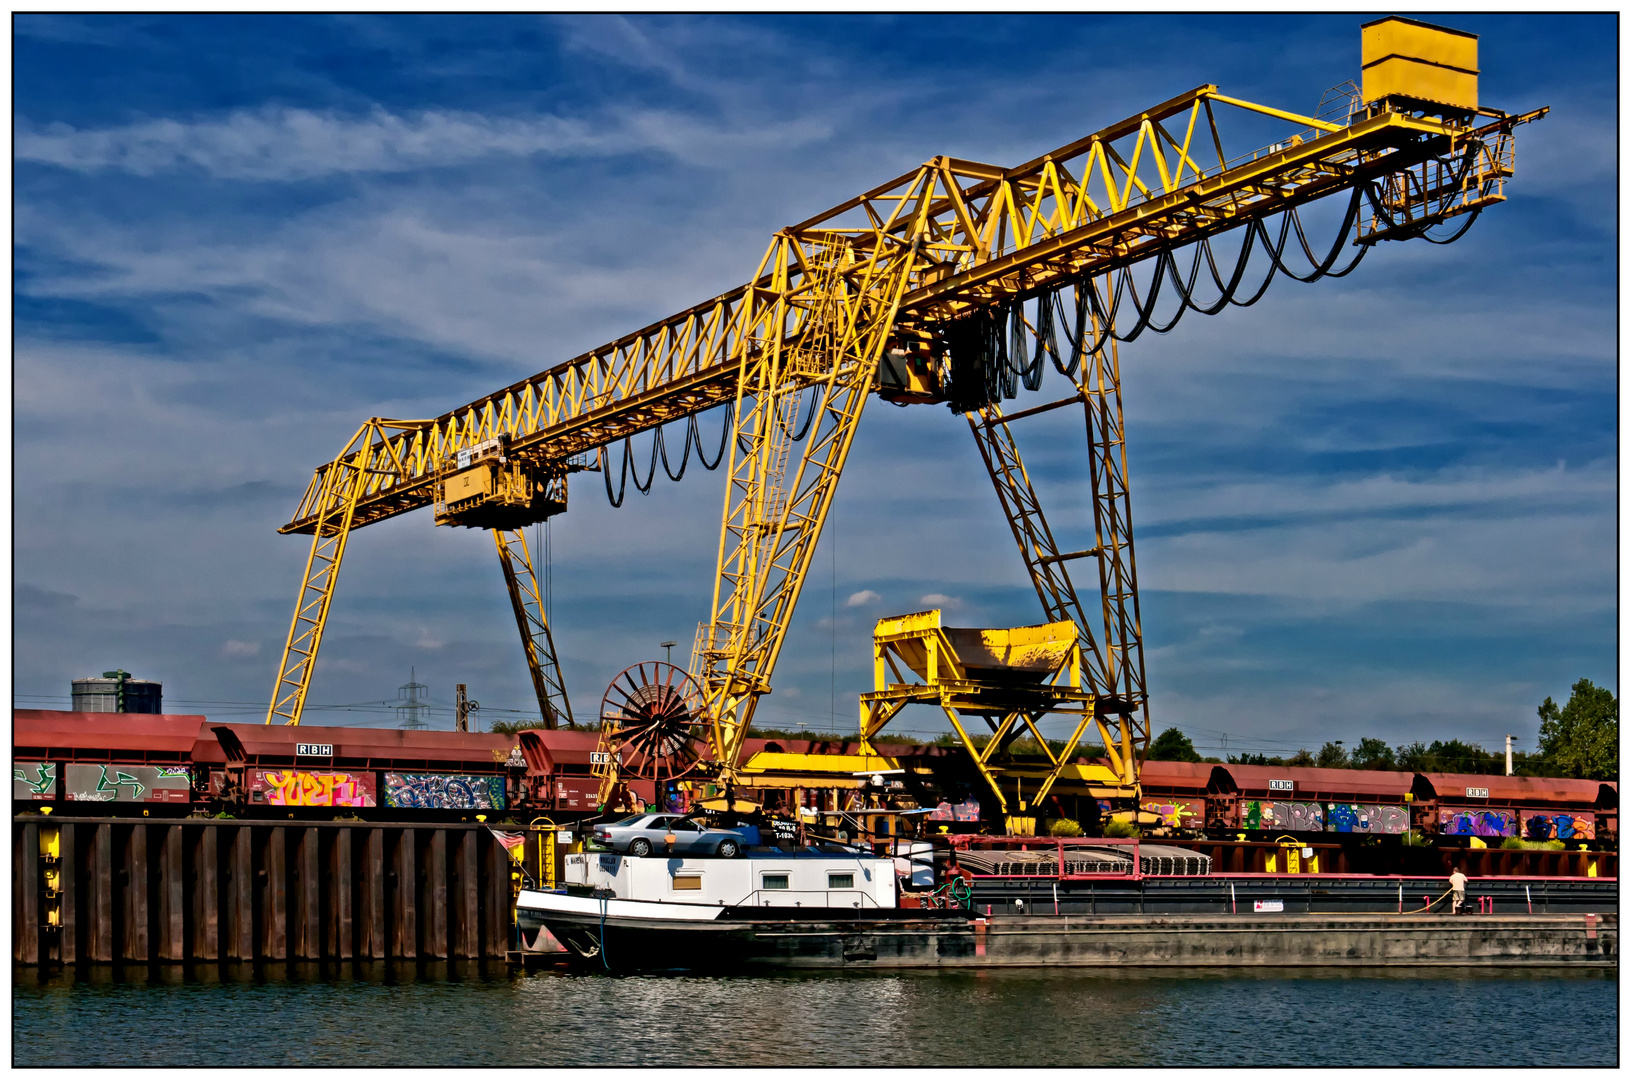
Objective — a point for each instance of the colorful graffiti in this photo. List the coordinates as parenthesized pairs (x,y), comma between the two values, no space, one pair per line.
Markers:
(1366,818)
(1286,816)
(1175,814)
(127,783)
(295,787)
(1478,822)
(42,785)
(444,792)
(967,810)
(1538,825)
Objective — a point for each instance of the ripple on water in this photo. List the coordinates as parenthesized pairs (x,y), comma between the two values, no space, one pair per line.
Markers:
(449,1015)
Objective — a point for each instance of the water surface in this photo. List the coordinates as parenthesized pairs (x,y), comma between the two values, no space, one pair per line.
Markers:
(473,1014)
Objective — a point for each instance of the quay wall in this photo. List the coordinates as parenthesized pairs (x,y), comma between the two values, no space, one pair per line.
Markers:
(1305,940)
(1191,941)
(123,891)
(105,890)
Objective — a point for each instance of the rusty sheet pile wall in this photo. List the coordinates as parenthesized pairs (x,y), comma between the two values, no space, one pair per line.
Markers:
(102,890)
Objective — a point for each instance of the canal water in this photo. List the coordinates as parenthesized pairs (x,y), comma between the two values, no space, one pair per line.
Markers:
(474,1015)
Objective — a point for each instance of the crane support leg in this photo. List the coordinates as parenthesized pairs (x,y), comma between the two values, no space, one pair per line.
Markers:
(977,755)
(841,295)
(366,462)
(1037,547)
(527,601)
(1114,657)
(311,610)
(1123,635)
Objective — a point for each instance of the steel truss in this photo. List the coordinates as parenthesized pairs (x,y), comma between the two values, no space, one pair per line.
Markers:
(895,267)
(526,599)
(917,645)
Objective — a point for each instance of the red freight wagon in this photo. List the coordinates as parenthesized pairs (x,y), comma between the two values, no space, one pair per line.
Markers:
(1282,799)
(1175,793)
(319,767)
(126,760)
(1532,807)
(559,771)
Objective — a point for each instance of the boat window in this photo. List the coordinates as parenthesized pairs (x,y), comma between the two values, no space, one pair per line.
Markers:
(774,881)
(840,881)
(687,881)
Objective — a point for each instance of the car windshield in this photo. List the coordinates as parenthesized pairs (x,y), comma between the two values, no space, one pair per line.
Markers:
(630,820)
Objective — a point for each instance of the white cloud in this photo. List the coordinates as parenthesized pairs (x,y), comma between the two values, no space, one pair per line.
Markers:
(241,649)
(940,600)
(862,598)
(282,144)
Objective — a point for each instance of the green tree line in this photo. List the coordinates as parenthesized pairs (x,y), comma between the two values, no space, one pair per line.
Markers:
(1580,740)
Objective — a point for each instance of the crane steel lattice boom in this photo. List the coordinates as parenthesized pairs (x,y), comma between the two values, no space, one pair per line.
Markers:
(901,291)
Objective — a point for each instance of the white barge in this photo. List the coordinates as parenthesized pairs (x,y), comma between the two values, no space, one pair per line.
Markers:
(821,909)
(686,911)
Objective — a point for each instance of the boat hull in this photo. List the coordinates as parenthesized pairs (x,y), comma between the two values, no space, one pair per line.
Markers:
(632,937)
(627,935)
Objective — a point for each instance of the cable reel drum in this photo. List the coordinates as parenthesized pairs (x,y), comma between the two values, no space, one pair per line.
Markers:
(655,722)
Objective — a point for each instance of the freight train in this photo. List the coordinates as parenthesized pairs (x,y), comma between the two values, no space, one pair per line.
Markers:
(1259,801)
(169,765)
(175,765)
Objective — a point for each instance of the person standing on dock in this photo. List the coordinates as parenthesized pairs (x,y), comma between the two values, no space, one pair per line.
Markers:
(1458,891)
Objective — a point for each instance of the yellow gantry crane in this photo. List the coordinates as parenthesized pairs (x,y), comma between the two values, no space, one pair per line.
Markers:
(954,283)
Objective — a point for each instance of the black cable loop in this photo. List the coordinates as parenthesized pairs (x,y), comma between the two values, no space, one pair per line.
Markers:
(659,452)
(1471,217)
(651,473)
(1322,268)
(1374,195)
(1005,330)
(724,437)
(1257,234)
(1146,312)
(1078,339)
(1009,345)
(1226,293)
(1047,346)
(606,474)
(662,451)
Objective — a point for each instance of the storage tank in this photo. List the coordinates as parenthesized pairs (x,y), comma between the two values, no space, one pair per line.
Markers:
(116,691)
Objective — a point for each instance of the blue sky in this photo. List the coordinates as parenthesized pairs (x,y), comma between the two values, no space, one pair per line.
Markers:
(1382,506)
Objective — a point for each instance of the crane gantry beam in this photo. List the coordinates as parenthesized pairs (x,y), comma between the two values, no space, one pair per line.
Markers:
(899,269)
(997,234)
